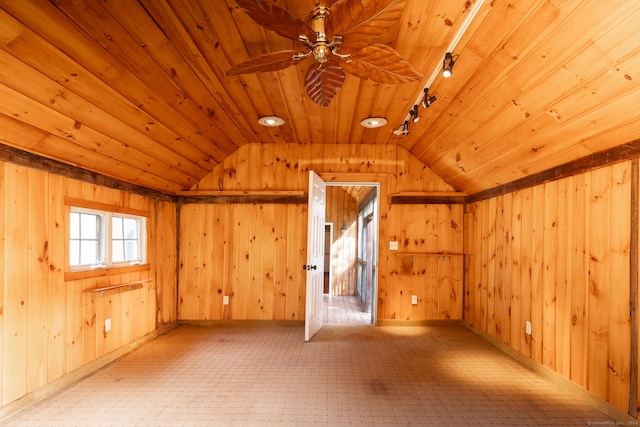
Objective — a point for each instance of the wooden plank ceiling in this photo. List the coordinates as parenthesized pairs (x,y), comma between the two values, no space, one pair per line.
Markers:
(137,90)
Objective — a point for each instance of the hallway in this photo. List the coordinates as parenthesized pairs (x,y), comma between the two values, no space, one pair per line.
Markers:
(268,376)
(343,310)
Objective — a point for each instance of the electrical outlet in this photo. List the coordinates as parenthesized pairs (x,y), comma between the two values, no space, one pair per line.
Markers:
(414,299)
(225,300)
(393,246)
(527,328)
(107,325)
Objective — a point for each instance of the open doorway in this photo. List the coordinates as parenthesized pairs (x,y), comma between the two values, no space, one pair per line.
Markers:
(351,253)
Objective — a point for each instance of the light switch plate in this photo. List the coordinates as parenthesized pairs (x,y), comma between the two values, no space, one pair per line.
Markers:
(225,300)
(527,328)
(393,246)
(107,324)
(414,299)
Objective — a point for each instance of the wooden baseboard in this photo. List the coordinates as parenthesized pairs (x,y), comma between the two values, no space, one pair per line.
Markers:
(242,322)
(435,322)
(611,411)
(60,383)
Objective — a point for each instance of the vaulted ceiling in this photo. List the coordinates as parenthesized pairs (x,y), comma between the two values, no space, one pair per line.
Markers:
(138,90)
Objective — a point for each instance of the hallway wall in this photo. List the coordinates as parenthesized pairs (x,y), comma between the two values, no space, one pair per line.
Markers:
(342,210)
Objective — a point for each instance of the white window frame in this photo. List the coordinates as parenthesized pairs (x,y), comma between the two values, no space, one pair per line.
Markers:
(106,239)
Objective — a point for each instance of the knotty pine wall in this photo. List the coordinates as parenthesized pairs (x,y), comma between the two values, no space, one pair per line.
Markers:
(557,255)
(342,209)
(430,264)
(50,327)
(254,252)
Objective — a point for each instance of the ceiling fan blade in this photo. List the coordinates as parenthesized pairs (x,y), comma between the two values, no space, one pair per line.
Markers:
(277,19)
(268,62)
(356,20)
(323,82)
(382,64)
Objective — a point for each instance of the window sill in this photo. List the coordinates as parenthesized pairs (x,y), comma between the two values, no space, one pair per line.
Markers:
(101,272)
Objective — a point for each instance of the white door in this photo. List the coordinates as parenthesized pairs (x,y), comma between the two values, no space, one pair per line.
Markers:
(315,255)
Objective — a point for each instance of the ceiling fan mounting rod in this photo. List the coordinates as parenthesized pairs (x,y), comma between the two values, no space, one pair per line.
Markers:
(317,22)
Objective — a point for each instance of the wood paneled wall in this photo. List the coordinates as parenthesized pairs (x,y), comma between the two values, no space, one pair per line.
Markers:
(342,211)
(428,264)
(557,255)
(249,252)
(50,327)
(254,252)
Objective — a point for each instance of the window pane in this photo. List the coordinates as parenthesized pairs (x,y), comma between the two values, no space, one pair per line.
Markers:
(89,226)
(74,225)
(117,251)
(89,252)
(74,252)
(116,228)
(130,228)
(88,242)
(131,249)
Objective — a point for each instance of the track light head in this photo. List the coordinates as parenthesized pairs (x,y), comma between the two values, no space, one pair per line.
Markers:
(428,100)
(447,64)
(414,114)
(405,127)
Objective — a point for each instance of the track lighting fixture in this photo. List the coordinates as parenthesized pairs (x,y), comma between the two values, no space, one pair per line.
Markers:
(414,114)
(448,63)
(445,68)
(402,130)
(405,127)
(428,100)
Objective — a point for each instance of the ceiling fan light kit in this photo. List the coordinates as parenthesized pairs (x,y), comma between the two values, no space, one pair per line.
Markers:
(350,26)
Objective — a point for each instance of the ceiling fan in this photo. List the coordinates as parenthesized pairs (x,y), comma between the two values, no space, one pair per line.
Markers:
(339,38)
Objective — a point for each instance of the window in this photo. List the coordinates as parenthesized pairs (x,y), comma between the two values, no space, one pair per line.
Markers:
(86,240)
(100,239)
(125,239)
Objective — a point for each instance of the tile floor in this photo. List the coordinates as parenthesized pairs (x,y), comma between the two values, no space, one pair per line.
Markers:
(346,375)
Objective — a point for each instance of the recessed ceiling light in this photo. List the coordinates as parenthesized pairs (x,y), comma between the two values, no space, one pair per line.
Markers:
(271,121)
(374,122)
